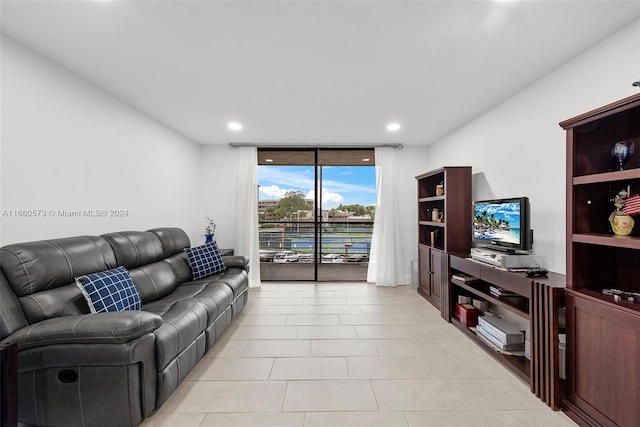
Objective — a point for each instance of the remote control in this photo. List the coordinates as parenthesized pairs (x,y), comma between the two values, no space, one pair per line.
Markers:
(537,272)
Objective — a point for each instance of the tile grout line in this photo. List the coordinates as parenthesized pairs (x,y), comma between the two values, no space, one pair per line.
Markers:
(375,396)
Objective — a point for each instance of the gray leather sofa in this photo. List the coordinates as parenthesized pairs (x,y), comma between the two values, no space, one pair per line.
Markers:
(78,368)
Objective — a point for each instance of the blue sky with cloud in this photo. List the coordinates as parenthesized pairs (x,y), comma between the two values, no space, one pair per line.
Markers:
(341,184)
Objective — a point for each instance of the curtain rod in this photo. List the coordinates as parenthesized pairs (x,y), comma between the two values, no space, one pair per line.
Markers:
(275,147)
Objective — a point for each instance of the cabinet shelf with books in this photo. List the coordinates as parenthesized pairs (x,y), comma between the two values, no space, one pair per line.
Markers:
(444,207)
(534,304)
(517,304)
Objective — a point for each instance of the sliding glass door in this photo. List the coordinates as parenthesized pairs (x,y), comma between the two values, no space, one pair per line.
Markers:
(286,211)
(316,213)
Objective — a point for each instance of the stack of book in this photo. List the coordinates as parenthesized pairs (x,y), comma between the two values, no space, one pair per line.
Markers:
(501,333)
(464,278)
(500,292)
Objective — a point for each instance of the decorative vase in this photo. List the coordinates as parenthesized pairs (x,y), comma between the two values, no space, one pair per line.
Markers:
(621,224)
(208,238)
(621,152)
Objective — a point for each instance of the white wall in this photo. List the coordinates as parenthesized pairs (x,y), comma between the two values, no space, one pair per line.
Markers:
(219,173)
(67,145)
(518,149)
(411,162)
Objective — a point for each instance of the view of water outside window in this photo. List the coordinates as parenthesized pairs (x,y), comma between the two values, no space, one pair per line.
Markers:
(286,205)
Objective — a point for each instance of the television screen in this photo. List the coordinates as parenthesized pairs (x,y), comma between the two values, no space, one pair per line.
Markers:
(502,223)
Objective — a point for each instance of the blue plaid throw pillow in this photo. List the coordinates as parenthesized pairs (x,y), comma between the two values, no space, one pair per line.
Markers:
(205,260)
(111,290)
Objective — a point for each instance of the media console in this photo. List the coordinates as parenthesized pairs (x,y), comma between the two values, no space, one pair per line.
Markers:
(536,301)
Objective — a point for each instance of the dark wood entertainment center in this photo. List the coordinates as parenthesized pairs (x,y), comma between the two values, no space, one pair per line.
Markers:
(443,248)
(537,301)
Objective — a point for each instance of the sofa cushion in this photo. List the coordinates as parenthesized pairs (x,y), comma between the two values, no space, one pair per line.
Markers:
(135,248)
(154,280)
(182,322)
(234,278)
(180,266)
(214,297)
(205,260)
(11,316)
(111,290)
(63,301)
(48,264)
(173,240)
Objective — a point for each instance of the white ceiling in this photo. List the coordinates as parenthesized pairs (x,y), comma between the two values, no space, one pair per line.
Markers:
(313,72)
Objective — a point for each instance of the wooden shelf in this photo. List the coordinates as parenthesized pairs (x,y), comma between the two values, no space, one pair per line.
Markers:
(431,223)
(516,304)
(628,242)
(519,365)
(431,199)
(606,177)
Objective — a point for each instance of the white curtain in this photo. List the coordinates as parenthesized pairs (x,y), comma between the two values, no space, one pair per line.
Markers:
(247,242)
(386,258)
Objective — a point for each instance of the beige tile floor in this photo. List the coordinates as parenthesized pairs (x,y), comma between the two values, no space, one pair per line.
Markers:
(345,354)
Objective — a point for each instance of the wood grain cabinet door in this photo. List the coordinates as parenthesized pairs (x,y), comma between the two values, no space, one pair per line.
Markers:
(436,274)
(424,257)
(603,361)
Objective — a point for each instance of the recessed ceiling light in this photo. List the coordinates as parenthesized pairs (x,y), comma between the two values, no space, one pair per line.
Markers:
(235,126)
(366,160)
(393,127)
(268,160)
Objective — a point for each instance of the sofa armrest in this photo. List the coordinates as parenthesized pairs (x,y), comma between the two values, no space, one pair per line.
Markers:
(236,261)
(99,328)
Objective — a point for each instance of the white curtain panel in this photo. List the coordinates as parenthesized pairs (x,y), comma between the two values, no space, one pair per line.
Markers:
(247,242)
(386,258)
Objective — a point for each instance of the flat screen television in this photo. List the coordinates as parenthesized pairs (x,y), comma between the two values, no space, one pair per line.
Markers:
(502,224)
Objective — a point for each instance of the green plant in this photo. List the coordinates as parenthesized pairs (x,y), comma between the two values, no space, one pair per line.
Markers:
(210,228)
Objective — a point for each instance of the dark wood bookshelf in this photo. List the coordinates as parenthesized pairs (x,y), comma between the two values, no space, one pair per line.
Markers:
(450,233)
(603,335)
